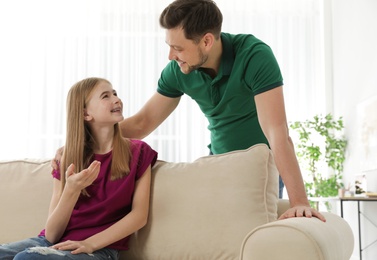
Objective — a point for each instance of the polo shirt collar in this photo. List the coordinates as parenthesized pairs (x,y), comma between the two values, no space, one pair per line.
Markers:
(227,57)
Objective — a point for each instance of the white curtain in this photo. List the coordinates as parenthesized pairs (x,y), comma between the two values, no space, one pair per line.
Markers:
(47,46)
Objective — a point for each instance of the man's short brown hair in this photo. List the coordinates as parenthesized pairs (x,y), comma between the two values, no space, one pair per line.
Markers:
(196,17)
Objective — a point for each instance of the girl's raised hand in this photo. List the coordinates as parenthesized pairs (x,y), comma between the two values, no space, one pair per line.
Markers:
(81,180)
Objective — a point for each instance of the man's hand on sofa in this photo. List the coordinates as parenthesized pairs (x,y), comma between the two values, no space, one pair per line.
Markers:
(302,211)
(58,156)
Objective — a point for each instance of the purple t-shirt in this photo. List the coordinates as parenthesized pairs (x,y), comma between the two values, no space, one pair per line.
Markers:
(109,200)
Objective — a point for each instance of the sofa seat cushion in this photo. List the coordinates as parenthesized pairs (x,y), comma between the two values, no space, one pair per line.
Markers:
(204,209)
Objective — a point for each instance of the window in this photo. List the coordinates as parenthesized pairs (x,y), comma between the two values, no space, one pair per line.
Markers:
(47,46)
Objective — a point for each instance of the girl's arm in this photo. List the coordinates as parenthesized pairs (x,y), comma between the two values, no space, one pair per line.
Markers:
(62,203)
(56,194)
(129,224)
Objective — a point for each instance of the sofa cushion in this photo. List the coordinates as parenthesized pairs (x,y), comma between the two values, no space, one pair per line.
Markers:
(208,205)
(25,192)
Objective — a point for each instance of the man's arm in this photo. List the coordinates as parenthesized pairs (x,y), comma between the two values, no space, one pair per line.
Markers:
(272,118)
(150,116)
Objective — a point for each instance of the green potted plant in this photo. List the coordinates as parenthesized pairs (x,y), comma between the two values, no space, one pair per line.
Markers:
(320,148)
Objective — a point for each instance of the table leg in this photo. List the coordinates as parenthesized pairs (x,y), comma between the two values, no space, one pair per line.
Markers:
(358,219)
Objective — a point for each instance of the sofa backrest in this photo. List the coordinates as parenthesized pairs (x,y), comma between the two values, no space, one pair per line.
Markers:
(204,209)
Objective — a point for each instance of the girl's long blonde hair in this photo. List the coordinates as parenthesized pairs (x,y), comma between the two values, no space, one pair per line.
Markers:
(79,143)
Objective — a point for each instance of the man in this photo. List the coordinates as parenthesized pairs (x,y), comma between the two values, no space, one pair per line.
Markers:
(237,84)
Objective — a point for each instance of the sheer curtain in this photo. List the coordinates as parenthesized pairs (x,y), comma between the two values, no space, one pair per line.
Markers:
(47,46)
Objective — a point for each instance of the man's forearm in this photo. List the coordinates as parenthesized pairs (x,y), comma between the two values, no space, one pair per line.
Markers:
(289,170)
(131,129)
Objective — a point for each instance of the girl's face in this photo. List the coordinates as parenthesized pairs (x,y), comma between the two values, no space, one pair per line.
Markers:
(104,107)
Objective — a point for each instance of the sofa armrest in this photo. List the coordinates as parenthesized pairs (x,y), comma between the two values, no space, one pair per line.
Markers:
(300,238)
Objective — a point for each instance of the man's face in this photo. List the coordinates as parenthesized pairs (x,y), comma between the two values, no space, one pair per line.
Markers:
(188,54)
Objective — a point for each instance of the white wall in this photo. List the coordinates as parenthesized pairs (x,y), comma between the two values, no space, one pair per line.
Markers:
(354,81)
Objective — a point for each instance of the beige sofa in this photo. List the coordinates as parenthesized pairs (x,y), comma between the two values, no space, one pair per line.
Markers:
(217,207)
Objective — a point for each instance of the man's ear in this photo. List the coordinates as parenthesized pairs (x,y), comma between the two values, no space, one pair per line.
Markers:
(208,40)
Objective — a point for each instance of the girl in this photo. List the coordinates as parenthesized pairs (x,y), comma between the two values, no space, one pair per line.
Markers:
(101,190)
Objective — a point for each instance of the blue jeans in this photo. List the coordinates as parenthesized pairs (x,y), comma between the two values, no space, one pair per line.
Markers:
(37,248)
(281,187)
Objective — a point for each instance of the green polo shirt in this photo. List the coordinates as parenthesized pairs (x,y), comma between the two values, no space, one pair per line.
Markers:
(248,67)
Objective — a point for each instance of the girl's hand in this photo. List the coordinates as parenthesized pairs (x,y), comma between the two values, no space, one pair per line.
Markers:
(76,247)
(81,180)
